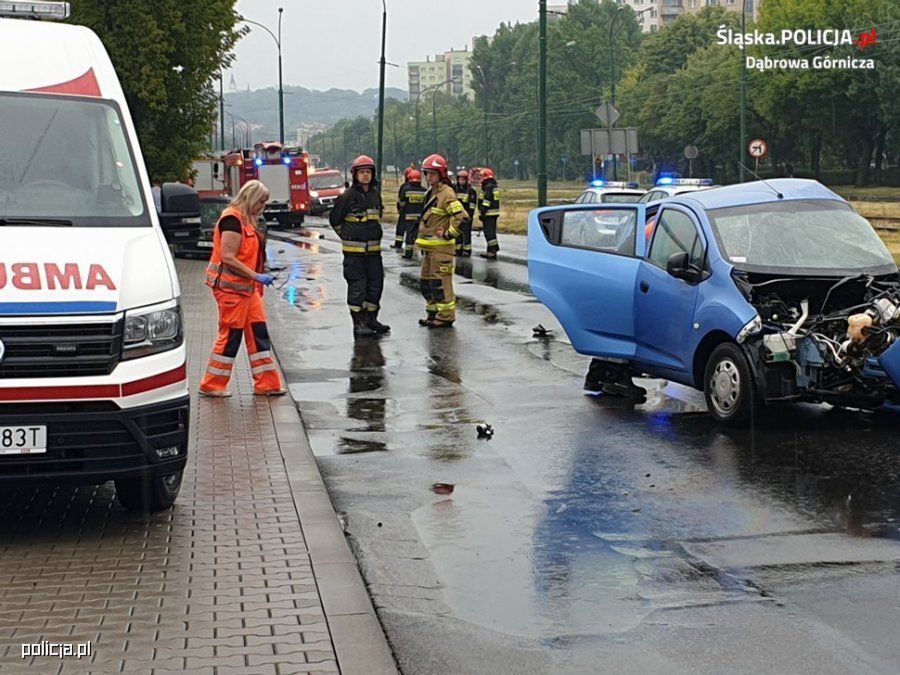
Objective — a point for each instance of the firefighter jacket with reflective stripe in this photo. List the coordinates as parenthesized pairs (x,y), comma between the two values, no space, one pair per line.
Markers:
(218,275)
(489,205)
(355,218)
(442,212)
(468,197)
(410,201)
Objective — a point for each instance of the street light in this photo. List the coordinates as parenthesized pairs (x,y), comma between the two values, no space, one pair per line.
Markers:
(277,39)
(612,74)
(418,98)
(484,92)
(380,152)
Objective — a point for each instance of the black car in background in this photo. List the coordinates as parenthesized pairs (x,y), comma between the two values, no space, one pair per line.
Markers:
(210,210)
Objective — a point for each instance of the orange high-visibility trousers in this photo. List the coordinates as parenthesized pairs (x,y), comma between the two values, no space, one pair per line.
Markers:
(241,316)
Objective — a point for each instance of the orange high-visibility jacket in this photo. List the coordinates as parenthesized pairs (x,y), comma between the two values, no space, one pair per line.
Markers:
(217,273)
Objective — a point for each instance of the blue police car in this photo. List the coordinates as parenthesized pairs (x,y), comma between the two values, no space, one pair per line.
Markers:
(756,293)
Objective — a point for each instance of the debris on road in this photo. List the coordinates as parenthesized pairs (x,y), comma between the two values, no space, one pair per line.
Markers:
(484,430)
(443,488)
(540,331)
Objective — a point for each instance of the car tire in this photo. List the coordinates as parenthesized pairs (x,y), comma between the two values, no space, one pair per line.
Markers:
(148,495)
(728,386)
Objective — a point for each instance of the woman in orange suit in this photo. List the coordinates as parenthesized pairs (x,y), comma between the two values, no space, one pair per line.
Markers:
(236,273)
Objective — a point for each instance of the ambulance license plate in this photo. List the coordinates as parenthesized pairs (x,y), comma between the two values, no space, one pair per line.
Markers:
(23,440)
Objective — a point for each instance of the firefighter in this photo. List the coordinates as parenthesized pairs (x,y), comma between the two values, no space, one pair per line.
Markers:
(440,225)
(468,197)
(236,273)
(412,199)
(355,218)
(489,212)
(401,202)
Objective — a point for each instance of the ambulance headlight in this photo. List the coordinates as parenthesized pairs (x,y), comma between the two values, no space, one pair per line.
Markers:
(151,330)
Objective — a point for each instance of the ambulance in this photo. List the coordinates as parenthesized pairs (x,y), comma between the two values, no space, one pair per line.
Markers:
(93,377)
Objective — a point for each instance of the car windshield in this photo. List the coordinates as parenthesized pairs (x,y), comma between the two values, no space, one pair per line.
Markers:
(210,212)
(808,236)
(66,158)
(619,198)
(325,181)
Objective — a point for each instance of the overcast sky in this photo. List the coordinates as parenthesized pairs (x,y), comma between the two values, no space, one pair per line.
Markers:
(337,43)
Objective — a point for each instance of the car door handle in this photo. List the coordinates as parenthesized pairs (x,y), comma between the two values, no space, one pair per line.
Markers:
(645,287)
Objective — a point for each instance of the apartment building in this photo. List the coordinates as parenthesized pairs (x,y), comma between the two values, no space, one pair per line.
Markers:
(448,72)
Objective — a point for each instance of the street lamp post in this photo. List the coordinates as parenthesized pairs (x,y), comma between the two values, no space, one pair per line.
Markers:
(612,74)
(277,39)
(743,139)
(380,154)
(484,93)
(221,112)
(542,106)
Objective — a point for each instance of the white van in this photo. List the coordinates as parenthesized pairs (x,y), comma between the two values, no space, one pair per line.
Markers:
(93,379)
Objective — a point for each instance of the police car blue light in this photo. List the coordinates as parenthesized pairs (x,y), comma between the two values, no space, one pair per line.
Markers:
(598,183)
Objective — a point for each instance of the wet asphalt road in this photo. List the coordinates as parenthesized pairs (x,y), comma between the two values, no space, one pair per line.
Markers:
(586,535)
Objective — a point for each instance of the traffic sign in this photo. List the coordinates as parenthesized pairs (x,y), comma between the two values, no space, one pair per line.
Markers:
(691,151)
(758,148)
(607,113)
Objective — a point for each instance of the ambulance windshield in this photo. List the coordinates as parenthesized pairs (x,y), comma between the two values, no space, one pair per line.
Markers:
(67,158)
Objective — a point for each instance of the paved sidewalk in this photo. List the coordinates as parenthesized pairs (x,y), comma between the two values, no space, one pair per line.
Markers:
(230,580)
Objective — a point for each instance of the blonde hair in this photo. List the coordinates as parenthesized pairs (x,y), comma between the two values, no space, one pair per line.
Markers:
(252,192)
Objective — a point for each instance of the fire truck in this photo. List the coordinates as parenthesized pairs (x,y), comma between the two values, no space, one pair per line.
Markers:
(282,169)
(208,174)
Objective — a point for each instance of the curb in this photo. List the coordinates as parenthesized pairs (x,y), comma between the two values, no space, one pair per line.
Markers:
(360,644)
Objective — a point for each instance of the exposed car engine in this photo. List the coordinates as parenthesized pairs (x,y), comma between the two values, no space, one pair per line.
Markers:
(822,338)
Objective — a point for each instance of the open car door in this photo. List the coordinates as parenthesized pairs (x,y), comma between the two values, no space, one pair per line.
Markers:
(583,262)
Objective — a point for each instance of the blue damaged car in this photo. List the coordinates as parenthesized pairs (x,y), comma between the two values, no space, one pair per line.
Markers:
(757,293)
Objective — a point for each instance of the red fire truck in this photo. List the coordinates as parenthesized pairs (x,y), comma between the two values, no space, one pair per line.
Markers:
(282,169)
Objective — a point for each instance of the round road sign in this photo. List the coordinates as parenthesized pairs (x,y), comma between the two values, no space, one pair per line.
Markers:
(691,151)
(758,148)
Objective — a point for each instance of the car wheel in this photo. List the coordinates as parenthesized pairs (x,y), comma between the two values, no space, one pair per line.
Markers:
(728,385)
(148,495)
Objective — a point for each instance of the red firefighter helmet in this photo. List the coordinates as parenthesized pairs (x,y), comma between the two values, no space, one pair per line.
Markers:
(413,176)
(486,174)
(463,174)
(406,172)
(362,162)
(435,163)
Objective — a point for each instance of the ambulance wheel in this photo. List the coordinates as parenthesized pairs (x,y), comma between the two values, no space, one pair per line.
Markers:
(728,386)
(148,495)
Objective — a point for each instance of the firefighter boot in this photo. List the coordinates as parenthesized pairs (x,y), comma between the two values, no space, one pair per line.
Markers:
(375,324)
(360,325)
(427,322)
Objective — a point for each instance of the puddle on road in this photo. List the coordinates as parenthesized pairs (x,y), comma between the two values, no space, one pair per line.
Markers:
(489,274)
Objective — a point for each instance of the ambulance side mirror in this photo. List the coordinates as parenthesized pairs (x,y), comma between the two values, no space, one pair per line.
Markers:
(346,184)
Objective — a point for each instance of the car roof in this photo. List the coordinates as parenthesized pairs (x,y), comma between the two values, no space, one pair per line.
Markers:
(615,190)
(758,192)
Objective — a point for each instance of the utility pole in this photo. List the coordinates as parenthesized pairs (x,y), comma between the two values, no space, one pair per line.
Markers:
(743,140)
(280,84)
(542,106)
(380,154)
(612,76)
(221,112)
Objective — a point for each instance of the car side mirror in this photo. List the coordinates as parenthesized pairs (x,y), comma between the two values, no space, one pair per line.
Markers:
(346,184)
(679,266)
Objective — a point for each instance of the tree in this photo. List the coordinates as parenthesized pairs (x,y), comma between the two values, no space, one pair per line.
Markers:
(168,55)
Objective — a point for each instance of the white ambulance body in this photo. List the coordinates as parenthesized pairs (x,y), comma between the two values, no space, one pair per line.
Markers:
(93,380)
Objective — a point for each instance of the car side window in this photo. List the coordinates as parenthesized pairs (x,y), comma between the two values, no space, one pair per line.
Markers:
(608,230)
(675,232)
(581,197)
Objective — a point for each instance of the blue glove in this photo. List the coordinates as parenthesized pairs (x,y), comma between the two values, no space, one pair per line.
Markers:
(265,279)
